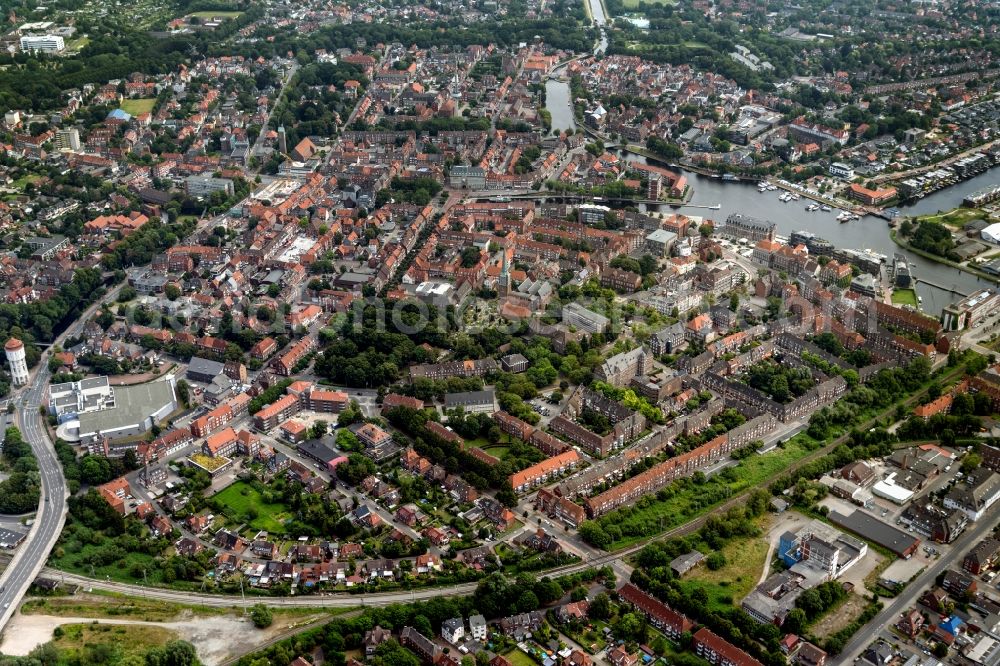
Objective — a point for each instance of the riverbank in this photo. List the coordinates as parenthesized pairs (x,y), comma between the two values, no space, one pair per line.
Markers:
(894,235)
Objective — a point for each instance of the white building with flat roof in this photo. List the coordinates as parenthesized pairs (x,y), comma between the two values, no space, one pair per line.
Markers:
(43,43)
(70,399)
(887,489)
(136,409)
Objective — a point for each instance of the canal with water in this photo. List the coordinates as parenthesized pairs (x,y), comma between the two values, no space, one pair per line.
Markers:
(559,104)
(557,95)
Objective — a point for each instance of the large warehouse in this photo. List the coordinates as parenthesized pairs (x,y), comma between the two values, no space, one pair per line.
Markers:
(991,234)
(124,411)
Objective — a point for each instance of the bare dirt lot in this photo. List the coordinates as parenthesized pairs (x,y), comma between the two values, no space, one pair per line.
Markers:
(215,637)
(840,617)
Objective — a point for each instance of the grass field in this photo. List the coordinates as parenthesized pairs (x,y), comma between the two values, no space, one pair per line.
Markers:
(107,605)
(76,562)
(208,16)
(904,297)
(686,505)
(838,618)
(519,658)
(240,497)
(80,643)
(135,107)
(496,451)
(745,560)
(21,182)
(77,44)
(956,217)
(111,606)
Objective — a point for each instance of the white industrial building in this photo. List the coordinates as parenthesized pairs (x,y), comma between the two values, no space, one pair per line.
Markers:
(991,234)
(887,489)
(92,409)
(43,43)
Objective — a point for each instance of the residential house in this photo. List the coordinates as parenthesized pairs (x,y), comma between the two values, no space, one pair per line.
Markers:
(428,651)
(453,630)
(375,637)
(983,556)
(575,610)
(911,623)
(810,655)
(619,656)
(477,627)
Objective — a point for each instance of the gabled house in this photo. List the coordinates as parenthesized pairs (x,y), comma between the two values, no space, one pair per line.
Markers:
(375,637)
(911,624)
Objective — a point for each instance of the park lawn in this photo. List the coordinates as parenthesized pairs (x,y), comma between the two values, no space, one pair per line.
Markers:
(208,16)
(904,297)
(240,497)
(519,658)
(128,641)
(496,451)
(135,107)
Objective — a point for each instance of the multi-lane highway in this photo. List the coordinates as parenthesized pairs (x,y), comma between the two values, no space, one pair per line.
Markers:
(34,551)
(31,555)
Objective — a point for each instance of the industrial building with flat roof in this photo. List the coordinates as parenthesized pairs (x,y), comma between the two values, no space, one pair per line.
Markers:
(869,527)
(136,409)
(70,399)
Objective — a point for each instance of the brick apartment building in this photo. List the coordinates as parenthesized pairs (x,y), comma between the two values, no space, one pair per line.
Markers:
(539,473)
(278,411)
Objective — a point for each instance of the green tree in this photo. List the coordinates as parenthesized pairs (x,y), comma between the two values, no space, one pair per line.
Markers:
(261,616)
(600,607)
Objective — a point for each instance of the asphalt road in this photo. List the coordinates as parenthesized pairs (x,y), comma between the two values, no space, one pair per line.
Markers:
(31,555)
(908,598)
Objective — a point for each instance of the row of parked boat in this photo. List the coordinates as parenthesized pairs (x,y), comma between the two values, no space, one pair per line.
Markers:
(785,197)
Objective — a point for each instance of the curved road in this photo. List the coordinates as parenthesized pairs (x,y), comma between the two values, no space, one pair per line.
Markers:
(31,555)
